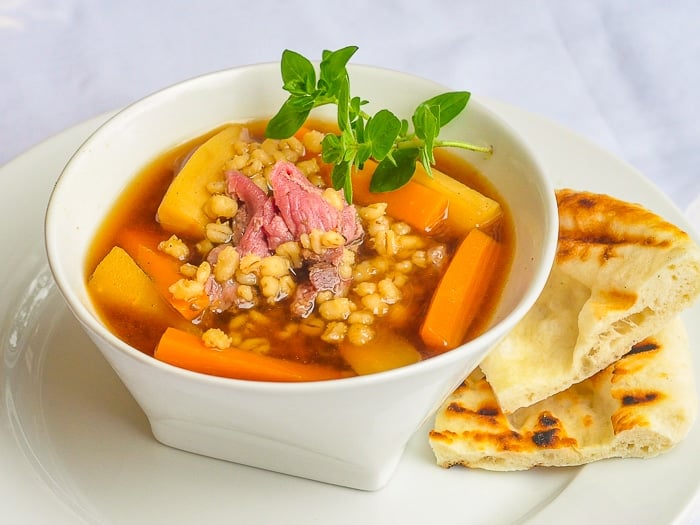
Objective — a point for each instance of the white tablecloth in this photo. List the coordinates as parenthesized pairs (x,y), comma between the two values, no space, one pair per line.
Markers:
(624,74)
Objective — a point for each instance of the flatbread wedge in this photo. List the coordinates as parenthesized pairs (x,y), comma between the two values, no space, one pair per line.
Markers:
(621,273)
(640,406)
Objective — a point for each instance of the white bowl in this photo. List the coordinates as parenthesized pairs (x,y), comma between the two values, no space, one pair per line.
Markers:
(349,432)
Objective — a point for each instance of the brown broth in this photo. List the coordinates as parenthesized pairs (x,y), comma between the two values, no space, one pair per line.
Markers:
(502,231)
(137,207)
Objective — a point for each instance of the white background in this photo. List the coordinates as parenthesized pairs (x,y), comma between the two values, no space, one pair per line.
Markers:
(624,74)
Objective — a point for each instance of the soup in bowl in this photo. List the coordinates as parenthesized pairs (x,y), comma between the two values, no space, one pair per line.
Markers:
(258,314)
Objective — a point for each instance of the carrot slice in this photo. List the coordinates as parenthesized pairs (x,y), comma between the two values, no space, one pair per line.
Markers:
(188,351)
(460,292)
(163,269)
(422,207)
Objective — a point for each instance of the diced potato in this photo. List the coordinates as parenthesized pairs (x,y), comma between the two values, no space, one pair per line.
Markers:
(162,269)
(468,208)
(182,210)
(384,352)
(119,283)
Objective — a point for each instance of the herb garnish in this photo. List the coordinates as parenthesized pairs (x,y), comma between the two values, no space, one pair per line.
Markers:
(382,136)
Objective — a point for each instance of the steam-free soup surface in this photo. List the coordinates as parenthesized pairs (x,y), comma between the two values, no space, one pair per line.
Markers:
(238,250)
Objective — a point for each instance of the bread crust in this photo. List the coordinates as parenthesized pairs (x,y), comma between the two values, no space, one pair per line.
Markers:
(640,406)
(621,273)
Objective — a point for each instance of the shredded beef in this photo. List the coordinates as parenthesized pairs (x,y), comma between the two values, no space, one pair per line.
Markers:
(222,296)
(238,225)
(324,276)
(277,231)
(263,222)
(303,300)
(303,208)
(258,208)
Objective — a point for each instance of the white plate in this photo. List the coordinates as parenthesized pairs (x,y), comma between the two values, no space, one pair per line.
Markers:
(75,447)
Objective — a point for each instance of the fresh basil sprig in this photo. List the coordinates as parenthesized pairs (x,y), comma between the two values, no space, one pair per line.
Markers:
(382,136)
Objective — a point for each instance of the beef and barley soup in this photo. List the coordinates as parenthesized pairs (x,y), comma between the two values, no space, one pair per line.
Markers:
(234,247)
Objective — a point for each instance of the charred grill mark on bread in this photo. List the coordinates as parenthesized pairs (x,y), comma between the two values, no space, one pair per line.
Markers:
(648,345)
(590,222)
(636,359)
(638,398)
(549,433)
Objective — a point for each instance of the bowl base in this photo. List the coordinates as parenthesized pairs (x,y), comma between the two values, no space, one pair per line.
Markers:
(264,453)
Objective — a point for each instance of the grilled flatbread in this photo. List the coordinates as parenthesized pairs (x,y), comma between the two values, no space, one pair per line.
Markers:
(640,406)
(621,273)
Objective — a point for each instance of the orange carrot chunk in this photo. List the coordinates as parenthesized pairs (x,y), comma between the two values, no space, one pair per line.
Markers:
(163,269)
(188,351)
(422,207)
(461,291)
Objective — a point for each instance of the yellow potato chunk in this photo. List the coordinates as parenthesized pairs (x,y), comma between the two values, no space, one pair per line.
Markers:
(183,208)
(119,283)
(468,208)
(384,352)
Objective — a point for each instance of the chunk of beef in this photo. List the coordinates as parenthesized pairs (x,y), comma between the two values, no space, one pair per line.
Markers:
(264,229)
(303,208)
(257,209)
(276,229)
(295,207)
(303,300)
(238,225)
(325,276)
(322,276)
(222,296)
(213,255)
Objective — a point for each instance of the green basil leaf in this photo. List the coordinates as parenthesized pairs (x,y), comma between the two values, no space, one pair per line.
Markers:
(341,179)
(347,187)
(343,102)
(384,137)
(298,73)
(427,160)
(419,116)
(356,104)
(331,149)
(364,152)
(395,171)
(288,119)
(447,106)
(300,102)
(382,130)
(358,128)
(404,127)
(427,128)
(333,77)
(348,141)
(333,64)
